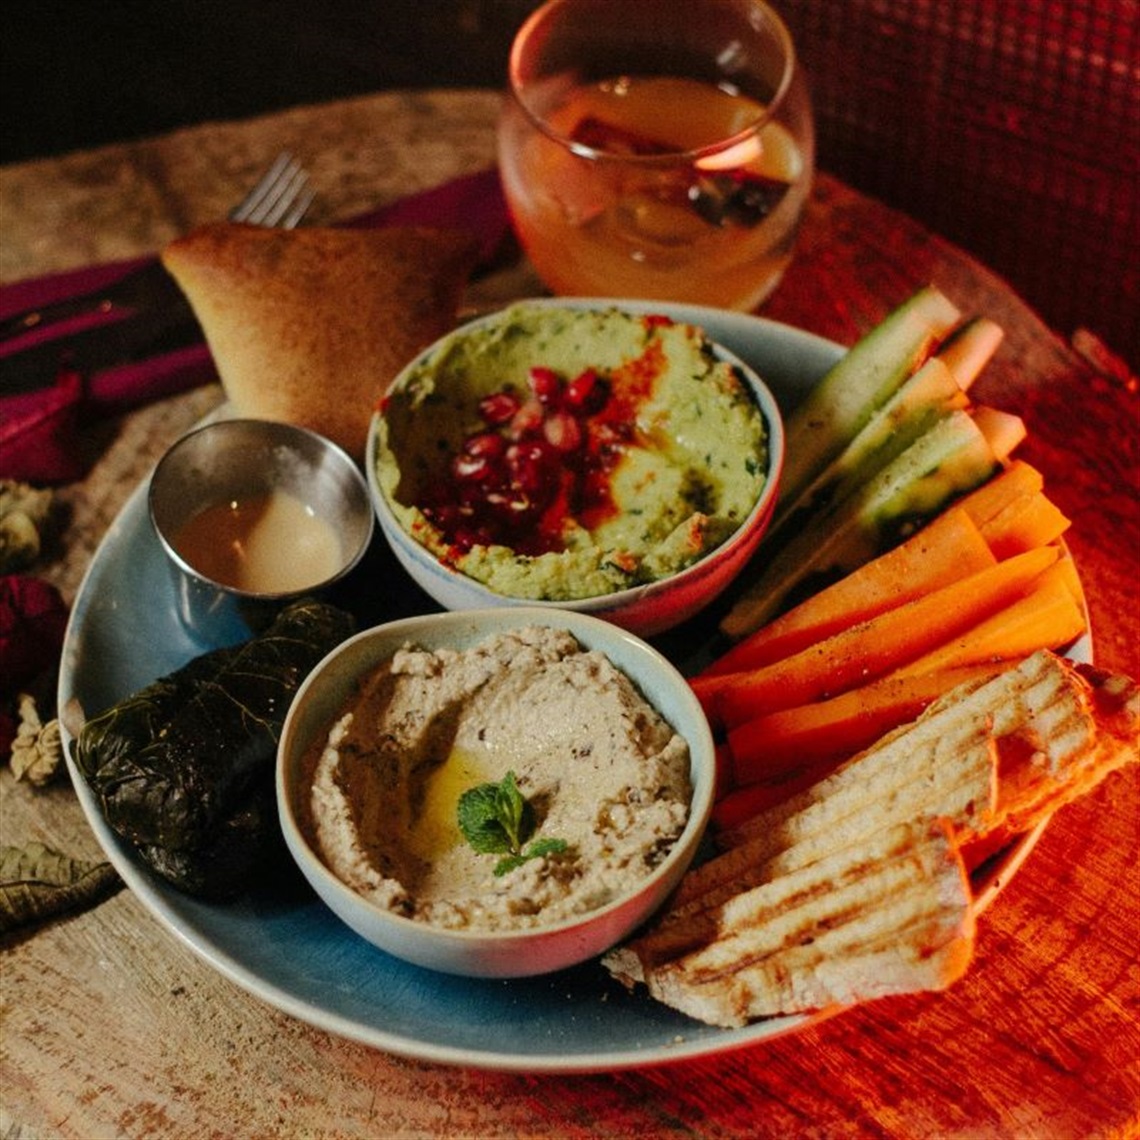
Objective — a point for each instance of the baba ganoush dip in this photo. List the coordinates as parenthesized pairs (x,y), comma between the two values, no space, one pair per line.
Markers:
(557,453)
(602,770)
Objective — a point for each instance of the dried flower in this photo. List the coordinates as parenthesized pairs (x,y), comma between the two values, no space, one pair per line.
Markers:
(24,512)
(37,751)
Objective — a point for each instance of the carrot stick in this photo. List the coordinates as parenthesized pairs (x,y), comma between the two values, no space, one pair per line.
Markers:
(949,548)
(1003,430)
(872,648)
(1026,521)
(1066,569)
(984,502)
(1047,617)
(768,747)
(741,805)
(723,760)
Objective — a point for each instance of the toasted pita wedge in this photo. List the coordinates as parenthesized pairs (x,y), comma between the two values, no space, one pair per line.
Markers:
(856,887)
(851,811)
(1074,727)
(888,914)
(309,326)
(937,766)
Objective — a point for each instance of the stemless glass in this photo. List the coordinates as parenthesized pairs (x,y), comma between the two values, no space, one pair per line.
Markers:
(657,149)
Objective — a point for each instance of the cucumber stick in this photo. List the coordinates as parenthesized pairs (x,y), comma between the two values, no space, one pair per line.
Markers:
(924,398)
(946,461)
(865,377)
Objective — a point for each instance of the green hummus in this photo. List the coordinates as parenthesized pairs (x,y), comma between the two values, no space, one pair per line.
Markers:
(691,467)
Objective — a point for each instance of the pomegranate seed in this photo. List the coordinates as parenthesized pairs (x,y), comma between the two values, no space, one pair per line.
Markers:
(468,468)
(531,464)
(467,537)
(545,457)
(587,392)
(527,420)
(510,510)
(498,408)
(546,384)
(609,436)
(595,489)
(485,444)
(452,519)
(563,432)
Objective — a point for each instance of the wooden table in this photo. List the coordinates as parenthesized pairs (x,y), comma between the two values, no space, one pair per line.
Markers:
(111,1027)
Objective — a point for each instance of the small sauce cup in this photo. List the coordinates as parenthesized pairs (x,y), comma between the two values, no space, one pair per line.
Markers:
(252,514)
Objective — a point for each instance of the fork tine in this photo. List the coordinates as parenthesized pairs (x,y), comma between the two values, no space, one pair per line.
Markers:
(241,212)
(280,197)
(292,218)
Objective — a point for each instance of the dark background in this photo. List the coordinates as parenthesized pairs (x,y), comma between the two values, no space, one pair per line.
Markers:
(76,73)
(1011,127)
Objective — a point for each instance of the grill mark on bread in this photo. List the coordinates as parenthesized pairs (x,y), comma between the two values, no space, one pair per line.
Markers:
(918,938)
(842,882)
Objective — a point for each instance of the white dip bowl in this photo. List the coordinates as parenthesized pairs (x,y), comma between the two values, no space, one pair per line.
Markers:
(646,607)
(480,952)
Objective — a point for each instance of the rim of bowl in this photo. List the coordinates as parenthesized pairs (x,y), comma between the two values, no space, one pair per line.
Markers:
(484,623)
(761,393)
(288,432)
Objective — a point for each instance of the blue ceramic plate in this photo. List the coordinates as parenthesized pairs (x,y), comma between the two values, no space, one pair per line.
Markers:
(286,947)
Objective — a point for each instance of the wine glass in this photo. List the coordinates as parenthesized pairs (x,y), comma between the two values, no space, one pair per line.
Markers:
(657,150)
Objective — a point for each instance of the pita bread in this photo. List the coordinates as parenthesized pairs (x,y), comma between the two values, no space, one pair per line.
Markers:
(309,326)
(1058,741)
(888,914)
(856,888)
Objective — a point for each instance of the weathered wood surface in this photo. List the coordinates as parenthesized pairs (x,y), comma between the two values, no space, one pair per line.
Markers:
(111,1027)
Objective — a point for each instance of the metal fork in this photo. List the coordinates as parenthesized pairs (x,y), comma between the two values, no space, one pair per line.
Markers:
(280,198)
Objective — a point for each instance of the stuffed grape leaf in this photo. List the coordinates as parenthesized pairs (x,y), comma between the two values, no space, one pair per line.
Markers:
(183,769)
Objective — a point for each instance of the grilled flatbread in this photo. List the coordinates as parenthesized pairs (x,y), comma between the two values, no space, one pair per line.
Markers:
(888,914)
(309,326)
(1076,725)
(857,888)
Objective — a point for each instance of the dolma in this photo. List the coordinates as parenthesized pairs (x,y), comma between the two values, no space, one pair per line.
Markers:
(181,768)
(244,845)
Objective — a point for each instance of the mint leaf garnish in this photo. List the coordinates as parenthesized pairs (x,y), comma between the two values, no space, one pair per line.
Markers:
(497,820)
(537,849)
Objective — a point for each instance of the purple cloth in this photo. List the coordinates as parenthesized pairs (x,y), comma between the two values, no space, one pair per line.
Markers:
(37,429)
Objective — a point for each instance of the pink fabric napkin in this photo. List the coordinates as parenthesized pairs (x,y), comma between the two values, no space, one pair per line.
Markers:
(38,428)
